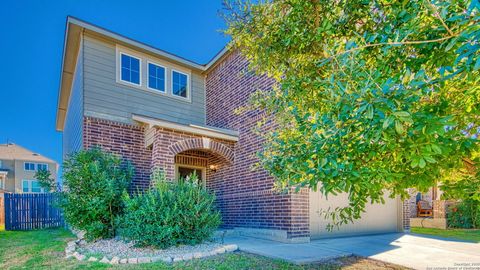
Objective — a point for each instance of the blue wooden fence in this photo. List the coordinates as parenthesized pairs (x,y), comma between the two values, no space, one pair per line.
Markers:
(32,211)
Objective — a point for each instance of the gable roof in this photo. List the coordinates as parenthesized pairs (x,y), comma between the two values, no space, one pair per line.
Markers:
(74,28)
(12,151)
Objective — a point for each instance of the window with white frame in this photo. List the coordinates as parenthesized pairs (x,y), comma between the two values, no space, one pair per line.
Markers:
(2,180)
(1,164)
(29,166)
(156,77)
(31,186)
(179,84)
(42,167)
(130,69)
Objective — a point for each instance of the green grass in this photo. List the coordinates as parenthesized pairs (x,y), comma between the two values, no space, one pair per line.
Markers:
(44,249)
(461,234)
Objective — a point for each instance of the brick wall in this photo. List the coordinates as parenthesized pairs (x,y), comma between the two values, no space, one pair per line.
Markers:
(121,139)
(246,196)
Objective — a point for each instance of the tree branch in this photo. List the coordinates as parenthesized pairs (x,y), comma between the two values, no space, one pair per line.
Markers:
(412,42)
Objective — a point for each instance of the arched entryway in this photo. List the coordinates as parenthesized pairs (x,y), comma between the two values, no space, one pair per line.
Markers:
(207,158)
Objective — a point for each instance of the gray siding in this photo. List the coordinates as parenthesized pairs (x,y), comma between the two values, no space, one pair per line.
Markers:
(107,99)
(73,130)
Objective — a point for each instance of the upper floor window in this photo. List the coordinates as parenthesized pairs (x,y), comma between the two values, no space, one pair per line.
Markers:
(28,166)
(130,69)
(43,167)
(179,84)
(156,77)
(161,77)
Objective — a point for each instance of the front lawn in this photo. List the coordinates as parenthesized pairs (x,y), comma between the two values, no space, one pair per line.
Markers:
(461,234)
(44,249)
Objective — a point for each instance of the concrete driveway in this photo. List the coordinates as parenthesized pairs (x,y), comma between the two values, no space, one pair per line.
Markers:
(414,251)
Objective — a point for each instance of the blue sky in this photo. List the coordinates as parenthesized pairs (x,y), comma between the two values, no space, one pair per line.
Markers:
(31,35)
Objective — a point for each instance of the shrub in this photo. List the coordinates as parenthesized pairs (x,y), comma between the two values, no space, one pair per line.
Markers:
(94,182)
(465,215)
(169,214)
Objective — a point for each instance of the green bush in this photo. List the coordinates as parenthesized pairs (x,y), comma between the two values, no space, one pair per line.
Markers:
(94,182)
(169,214)
(465,215)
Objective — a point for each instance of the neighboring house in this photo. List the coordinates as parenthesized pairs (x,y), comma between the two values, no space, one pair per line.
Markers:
(18,167)
(159,110)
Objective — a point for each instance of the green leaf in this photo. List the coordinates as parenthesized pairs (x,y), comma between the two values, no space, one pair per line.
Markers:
(436,149)
(422,163)
(402,114)
(387,122)
(414,163)
(430,159)
(399,127)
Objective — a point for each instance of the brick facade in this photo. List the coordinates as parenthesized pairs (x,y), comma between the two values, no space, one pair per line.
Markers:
(245,195)
(121,139)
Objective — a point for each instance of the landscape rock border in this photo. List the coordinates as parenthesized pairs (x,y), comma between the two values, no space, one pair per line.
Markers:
(72,251)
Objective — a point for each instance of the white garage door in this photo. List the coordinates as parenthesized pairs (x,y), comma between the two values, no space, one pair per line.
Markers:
(378,218)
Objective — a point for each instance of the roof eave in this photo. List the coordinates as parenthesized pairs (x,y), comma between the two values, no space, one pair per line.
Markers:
(69,60)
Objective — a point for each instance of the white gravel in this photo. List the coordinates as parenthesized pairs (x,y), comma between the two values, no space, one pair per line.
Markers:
(118,248)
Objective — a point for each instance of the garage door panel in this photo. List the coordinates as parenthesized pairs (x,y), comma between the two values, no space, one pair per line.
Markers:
(377,218)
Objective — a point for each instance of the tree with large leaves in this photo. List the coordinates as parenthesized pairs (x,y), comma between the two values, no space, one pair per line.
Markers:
(372,97)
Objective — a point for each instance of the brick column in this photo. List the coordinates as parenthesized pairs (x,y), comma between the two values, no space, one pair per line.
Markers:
(162,158)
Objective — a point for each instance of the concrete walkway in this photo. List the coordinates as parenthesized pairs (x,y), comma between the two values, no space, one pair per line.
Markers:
(415,251)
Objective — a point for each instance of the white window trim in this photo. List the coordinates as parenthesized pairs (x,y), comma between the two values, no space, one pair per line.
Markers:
(164,92)
(42,190)
(34,166)
(144,60)
(188,85)
(119,68)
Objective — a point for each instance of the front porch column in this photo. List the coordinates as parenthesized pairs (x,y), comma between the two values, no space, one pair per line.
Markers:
(162,158)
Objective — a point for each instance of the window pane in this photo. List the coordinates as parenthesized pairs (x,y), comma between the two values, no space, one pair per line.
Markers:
(36,186)
(179,84)
(125,61)
(125,74)
(151,70)
(29,166)
(152,82)
(156,77)
(42,167)
(135,77)
(134,64)
(25,186)
(130,69)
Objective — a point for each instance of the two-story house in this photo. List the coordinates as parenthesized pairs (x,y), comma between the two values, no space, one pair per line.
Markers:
(18,167)
(162,111)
